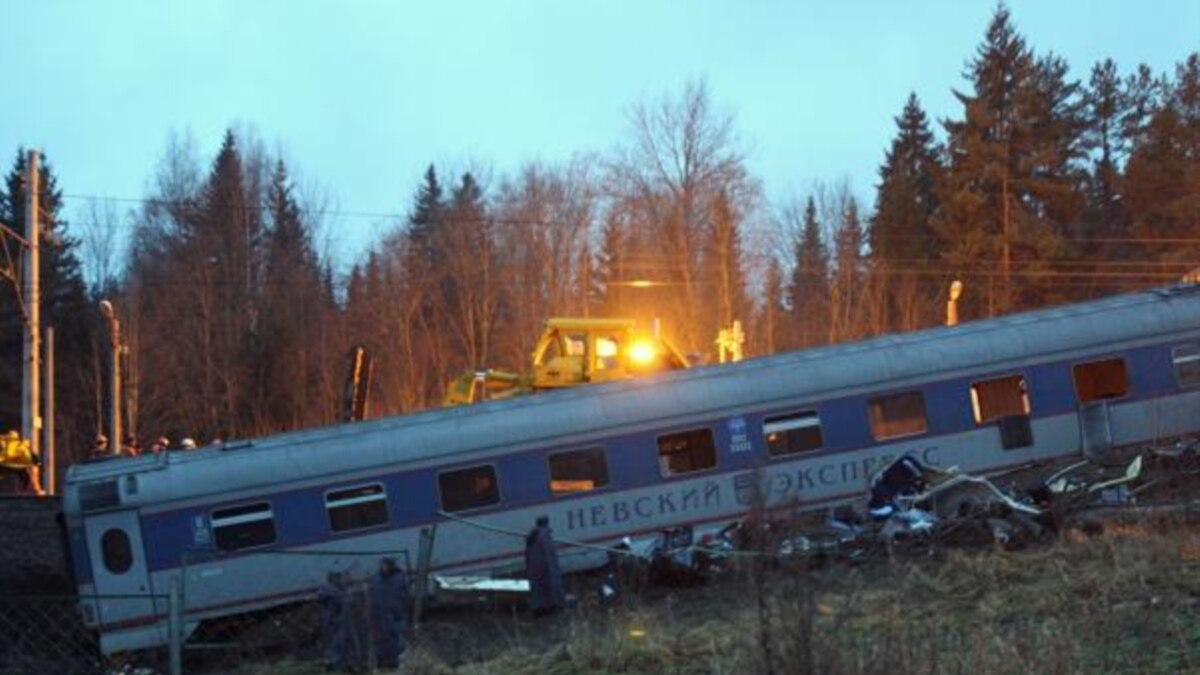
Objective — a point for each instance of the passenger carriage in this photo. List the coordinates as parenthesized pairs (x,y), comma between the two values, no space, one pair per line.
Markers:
(249,525)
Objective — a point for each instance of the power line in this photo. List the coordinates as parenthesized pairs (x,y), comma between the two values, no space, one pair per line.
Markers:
(382,215)
(376,215)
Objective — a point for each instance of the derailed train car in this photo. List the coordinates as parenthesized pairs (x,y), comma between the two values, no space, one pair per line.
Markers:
(236,524)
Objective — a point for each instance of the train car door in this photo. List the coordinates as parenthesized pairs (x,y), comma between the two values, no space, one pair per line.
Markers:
(122,582)
(1097,385)
(1095,431)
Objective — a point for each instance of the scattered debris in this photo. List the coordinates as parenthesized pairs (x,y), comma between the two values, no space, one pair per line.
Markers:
(912,507)
(452,584)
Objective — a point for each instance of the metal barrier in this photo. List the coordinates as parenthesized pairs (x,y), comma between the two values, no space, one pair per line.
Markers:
(46,634)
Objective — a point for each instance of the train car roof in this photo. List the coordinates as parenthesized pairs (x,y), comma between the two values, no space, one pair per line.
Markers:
(576,416)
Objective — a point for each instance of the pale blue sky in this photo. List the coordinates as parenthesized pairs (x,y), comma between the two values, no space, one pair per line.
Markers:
(361,96)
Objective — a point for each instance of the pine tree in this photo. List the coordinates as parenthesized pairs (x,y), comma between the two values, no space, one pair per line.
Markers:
(1144,95)
(773,319)
(1106,107)
(229,231)
(1013,182)
(426,216)
(1163,174)
(903,242)
(290,360)
(64,305)
(809,287)
(846,294)
(906,198)
(196,278)
(422,258)
(470,282)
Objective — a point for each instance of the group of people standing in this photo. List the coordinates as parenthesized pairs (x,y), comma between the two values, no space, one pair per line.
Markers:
(132,448)
(359,622)
(363,624)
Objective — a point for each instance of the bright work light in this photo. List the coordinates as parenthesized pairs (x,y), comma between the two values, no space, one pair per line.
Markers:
(642,352)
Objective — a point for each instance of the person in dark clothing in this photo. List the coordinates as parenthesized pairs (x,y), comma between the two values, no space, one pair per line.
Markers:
(546,591)
(333,615)
(389,613)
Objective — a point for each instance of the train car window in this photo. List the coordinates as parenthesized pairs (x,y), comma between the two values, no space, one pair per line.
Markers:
(1001,397)
(897,415)
(116,551)
(357,507)
(790,434)
(1100,380)
(578,471)
(686,452)
(471,488)
(1187,365)
(241,527)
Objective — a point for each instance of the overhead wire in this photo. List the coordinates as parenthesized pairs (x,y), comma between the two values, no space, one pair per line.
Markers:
(1164,241)
(1055,271)
(377,215)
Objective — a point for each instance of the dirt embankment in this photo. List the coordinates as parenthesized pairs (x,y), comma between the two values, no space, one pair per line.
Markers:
(33,558)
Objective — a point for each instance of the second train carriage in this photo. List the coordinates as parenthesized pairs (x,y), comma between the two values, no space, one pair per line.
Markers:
(621,459)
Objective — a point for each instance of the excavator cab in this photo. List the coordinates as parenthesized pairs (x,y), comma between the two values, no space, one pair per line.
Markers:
(576,351)
(569,353)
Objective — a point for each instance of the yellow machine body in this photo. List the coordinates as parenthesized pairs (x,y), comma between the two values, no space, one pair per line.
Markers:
(571,352)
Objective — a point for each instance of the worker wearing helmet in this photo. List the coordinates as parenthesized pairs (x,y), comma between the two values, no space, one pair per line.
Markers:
(100,450)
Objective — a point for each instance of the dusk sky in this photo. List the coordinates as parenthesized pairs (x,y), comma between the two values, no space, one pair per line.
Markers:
(361,96)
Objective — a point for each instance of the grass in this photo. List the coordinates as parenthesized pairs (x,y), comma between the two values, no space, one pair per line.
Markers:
(1123,600)
(1126,600)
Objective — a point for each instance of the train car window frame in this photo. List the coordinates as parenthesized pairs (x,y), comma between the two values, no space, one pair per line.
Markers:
(222,522)
(116,551)
(1192,365)
(1075,369)
(495,481)
(566,492)
(784,418)
(875,423)
(664,467)
(350,502)
(978,404)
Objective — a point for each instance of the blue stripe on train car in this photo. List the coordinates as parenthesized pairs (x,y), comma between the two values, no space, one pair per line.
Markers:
(301,519)
(1152,372)
(1051,389)
(844,423)
(631,465)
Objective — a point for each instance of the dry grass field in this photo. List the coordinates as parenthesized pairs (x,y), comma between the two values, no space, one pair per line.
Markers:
(1119,598)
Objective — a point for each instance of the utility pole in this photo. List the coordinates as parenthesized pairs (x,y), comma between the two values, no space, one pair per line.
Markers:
(49,462)
(114,425)
(31,420)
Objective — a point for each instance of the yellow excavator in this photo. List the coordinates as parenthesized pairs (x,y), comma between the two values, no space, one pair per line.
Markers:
(569,353)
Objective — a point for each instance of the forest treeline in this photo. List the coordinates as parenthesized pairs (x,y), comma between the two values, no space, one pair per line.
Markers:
(1042,189)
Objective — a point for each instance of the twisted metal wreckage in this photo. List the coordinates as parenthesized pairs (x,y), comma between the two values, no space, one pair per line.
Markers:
(911,507)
